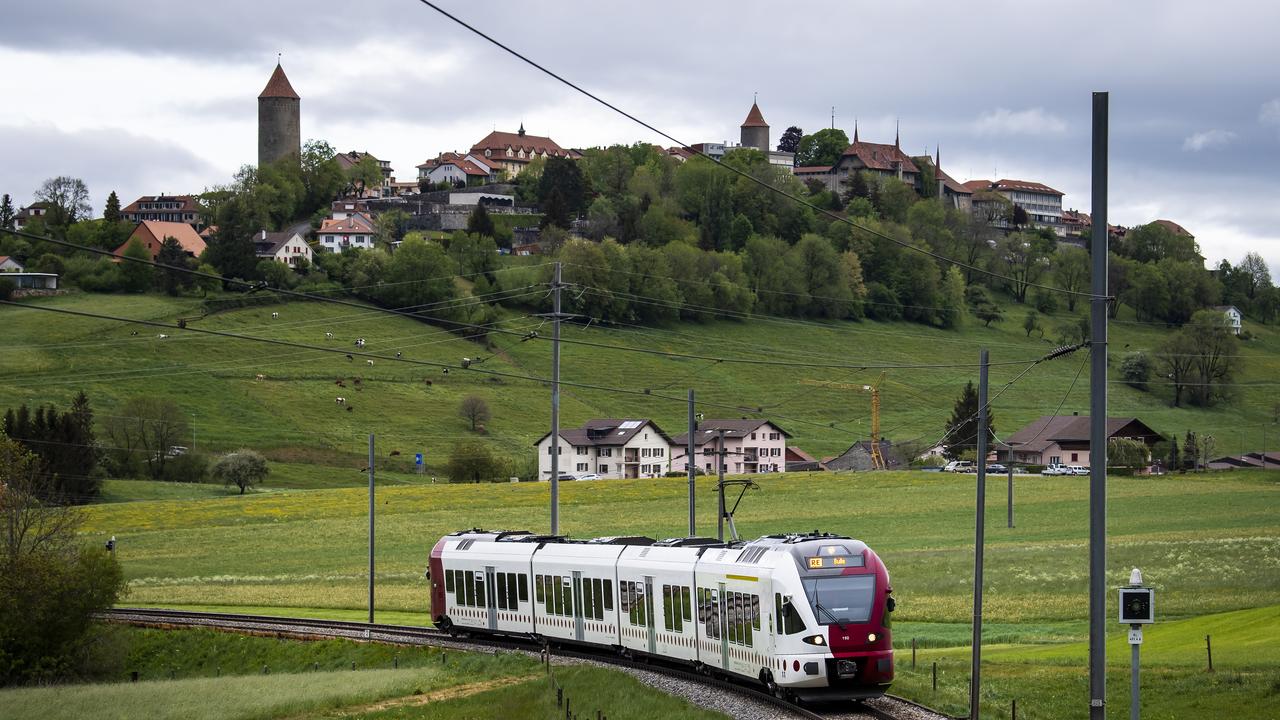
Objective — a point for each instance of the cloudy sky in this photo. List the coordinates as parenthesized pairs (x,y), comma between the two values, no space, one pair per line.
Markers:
(143,96)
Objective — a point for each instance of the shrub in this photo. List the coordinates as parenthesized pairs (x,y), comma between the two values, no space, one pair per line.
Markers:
(1136,369)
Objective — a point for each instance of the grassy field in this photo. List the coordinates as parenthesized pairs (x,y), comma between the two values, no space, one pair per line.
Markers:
(291,413)
(203,674)
(1209,543)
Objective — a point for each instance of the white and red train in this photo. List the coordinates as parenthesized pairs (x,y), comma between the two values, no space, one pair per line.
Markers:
(806,615)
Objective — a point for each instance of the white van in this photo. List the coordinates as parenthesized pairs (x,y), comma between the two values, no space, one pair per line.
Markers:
(960,466)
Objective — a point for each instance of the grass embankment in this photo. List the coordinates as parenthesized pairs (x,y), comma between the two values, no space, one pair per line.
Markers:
(291,414)
(199,674)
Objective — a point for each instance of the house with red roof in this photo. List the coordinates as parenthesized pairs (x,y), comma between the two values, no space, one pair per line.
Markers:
(877,160)
(513,152)
(610,448)
(283,247)
(354,231)
(152,233)
(1042,203)
(459,169)
(166,208)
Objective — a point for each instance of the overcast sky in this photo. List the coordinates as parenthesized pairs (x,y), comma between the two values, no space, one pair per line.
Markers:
(143,96)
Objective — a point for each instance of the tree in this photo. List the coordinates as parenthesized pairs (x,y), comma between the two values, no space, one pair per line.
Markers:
(1154,242)
(322,176)
(111,213)
(822,148)
(51,586)
(474,410)
(392,225)
(1018,216)
(1174,461)
(171,254)
(1072,272)
(790,140)
(951,297)
(962,427)
(64,446)
(1175,359)
(715,220)
(1215,356)
(1190,452)
(143,434)
(365,174)
(1136,370)
(1024,258)
(68,200)
(136,275)
(988,312)
(472,462)
(1127,453)
(1031,323)
(1256,275)
(242,468)
(7,212)
(479,222)
(562,183)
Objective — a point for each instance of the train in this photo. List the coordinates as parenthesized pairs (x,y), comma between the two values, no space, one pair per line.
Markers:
(806,615)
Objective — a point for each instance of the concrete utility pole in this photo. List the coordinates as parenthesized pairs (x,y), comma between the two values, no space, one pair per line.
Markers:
(555,402)
(720,484)
(1098,420)
(980,528)
(370,527)
(689,463)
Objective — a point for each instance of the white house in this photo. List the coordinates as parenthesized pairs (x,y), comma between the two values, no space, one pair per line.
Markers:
(8,264)
(353,231)
(285,247)
(610,448)
(751,446)
(1233,315)
(459,169)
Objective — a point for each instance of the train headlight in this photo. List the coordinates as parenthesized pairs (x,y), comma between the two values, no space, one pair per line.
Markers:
(871,637)
(816,640)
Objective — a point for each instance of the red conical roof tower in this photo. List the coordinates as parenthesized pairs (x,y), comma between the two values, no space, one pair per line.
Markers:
(278,86)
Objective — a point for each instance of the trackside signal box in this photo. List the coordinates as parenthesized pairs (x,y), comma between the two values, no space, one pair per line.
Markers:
(1137,606)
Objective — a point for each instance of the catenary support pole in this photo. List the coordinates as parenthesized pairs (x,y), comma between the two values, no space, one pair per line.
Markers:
(980,527)
(370,527)
(689,463)
(720,485)
(1098,420)
(555,402)
(1010,492)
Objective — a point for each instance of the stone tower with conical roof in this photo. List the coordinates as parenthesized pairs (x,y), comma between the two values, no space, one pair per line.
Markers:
(755,131)
(279,126)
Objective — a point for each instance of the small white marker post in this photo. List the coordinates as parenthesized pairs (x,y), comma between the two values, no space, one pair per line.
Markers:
(1137,608)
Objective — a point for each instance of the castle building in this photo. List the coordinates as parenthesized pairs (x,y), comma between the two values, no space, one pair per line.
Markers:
(279,128)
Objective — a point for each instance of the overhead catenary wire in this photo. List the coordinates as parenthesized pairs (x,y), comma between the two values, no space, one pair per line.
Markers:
(748,176)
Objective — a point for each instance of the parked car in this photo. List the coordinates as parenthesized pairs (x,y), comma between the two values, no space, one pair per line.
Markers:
(997,468)
(1055,469)
(959,466)
(588,476)
(1077,470)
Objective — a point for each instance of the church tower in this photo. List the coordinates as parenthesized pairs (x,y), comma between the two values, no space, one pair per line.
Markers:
(279,131)
(755,131)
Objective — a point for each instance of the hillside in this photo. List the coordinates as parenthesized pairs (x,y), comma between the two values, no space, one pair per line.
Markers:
(292,413)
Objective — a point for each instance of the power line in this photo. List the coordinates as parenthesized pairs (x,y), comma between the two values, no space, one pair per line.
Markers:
(740,173)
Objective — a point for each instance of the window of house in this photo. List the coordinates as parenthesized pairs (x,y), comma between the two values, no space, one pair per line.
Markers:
(659,452)
(753,436)
(604,469)
(582,467)
(1075,457)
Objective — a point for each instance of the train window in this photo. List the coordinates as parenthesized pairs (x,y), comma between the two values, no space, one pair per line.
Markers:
(750,621)
(448,581)
(755,611)
(524,587)
(537,587)
(459,583)
(686,600)
(666,607)
(608,595)
(624,597)
(641,603)
(480,583)
(568,594)
(469,585)
(513,592)
(677,618)
(789,621)
(558,591)
(502,591)
(597,589)
(588,602)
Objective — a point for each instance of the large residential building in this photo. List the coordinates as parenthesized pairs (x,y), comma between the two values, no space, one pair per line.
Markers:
(165,208)
(284,247)
(29,213)
(1042,203)
(152,233)
(1064,439)
(751,446)
(875,159)
(348,160)
(610,448)
(459,169)
(513,152)
(355,230)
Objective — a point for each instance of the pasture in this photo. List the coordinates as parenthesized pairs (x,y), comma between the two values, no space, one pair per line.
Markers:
(1209,543)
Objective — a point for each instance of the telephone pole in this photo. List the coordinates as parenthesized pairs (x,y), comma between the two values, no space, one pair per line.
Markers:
(1098,420)
(555,401)
(370,528)
(689,463)
(979,540)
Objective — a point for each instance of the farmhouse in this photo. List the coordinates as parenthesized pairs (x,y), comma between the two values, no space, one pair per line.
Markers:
(610,448)
(152,233)
(751,446)
(355,230)
(858,457)
(1064,439)
(285,247)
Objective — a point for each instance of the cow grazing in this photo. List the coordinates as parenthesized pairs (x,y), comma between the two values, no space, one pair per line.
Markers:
(275,316)
(340,400)
(162,336)
(259,376)
(370,362)
(328,336)
(135,332)
(349,357)
(426,380)
(397,353)
(339,383)
(350,408)
(359,342)
(395,453)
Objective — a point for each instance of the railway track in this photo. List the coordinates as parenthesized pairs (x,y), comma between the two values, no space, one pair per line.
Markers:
(751,703)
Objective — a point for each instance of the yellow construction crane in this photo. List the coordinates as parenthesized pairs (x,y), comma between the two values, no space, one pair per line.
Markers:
(877,459)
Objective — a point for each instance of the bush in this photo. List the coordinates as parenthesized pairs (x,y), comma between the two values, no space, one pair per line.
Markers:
(189,467)
(1136,369)
(6,288)
(1046,302)
(882,303)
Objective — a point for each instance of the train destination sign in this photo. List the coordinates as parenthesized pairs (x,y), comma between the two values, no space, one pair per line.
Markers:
(827,562)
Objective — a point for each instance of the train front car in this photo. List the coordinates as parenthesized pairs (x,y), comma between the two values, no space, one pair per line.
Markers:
(833,603)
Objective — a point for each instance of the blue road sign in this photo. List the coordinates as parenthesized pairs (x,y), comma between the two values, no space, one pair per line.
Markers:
(417,459)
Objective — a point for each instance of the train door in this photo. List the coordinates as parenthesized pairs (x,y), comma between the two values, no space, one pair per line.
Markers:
(577,605)
(649,615)
(723,617)
(491,597)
